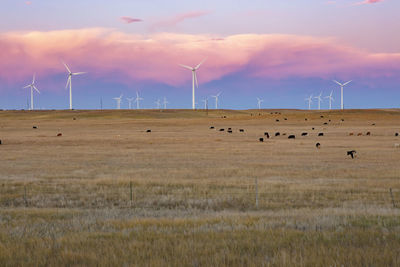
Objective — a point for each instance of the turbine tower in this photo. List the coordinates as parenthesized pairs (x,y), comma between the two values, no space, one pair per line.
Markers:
(165,102)
(205,100)
(32,87)
(319,98)
(216,99)
(330,99)
(341,92)
(158,103)
(309,100)
(69,82)
(118,99)
(259,101)
(137,100)
(195,83)
(130,102)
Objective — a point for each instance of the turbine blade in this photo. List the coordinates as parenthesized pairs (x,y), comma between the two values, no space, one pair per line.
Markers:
(337,82)
(27,86)
(186,67)
(198,66)
(68,82)
(195,78)
(347,83)
(67,67)
(34,87)
(33,80)
(78,73)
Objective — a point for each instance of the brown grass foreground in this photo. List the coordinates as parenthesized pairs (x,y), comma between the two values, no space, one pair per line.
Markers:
(108,193)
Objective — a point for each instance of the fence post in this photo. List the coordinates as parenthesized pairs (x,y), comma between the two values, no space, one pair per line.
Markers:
(256,193)
(25,199)
(130,186)
(391,195)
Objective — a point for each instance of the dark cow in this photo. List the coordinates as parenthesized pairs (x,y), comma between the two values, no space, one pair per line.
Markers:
(321,134)
(284,134)
(34,127)
(261,139)
(74,119)
(351,153)
(230,131)
(373,124)
(351,134)
(292,136)
(318,145)
(59,134)
(306,119)
(322,116)
(241,130)
(368,133)
(313,128)
(277,120)
(266,134)
(396,134)
(359,134)
(342,119)
(148,131)
(285,119)
(277,134)
(0,142)
(304,134)
(325,123)
(221,130)
(212,127)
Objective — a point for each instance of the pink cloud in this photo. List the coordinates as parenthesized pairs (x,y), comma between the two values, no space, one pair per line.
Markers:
(366,2)
(112,55)
(173,21)
(129,20)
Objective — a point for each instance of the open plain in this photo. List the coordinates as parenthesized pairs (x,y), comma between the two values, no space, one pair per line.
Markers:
(107,192)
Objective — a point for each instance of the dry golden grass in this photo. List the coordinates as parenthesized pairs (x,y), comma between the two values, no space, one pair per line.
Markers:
(67,200)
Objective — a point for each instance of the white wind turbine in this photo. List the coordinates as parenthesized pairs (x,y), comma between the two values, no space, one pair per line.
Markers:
(158,103)
(195,83)
(216,99)
(259,101)
(165,102)
(341,91)
(32,87)
(319,98)
(137,100)
(69,82)
(130,102)
(205,100)
(118,99)
(309,100)
(330,99)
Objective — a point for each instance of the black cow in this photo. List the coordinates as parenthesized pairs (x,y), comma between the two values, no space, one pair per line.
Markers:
(34,127)
(230,131)
(313,128)
(266,134)
(318,145)
(304,134)
(148,131)
(261,139)
(277,120)
(241,130)
(321,134)
(212,127)
(351,153)
(0,142)
(277,134)
(221,130)
(396,134)
(325,123)
(292,136)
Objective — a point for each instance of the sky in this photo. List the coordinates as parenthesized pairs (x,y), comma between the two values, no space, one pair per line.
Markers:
(280,51)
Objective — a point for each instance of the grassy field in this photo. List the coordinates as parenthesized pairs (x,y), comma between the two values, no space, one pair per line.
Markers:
(106,192)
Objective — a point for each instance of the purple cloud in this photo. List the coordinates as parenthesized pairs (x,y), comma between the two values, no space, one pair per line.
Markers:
(129,20)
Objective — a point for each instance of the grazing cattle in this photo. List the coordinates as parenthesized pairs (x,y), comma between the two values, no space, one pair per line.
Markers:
(221,130)
(277,120)
(329,120)
(148,131)
(373,124)
(318,145)
(224,117)
(292,136)
(321,134)
(241,130)
(283,134)
(74,119)
(368,133)
(313,128)
(212,127)
(304,134)
(306,119)
(266,134)
(322,116)
(0,142)
(351,134)
(34,127)
(359,134)
(342,119)
(261,139)
(277,134)
(229,131)
(59,134)
(396,134)
(325,123)
(285,119)
(351,153)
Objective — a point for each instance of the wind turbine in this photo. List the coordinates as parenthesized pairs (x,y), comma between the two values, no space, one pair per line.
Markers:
(216,99)
(309,100)
(69,81)
(330,99)
(32,86)
(165,102)
(341,91)
(158,103)
(205,100)
(130,102)
(137,100)
(195,83)
(118,99)
(259,101)
(319,100)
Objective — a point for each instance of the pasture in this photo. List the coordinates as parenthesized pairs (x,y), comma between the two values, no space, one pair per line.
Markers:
(108,192)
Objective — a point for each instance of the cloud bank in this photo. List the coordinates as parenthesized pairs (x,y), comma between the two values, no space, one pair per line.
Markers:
(116,56)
